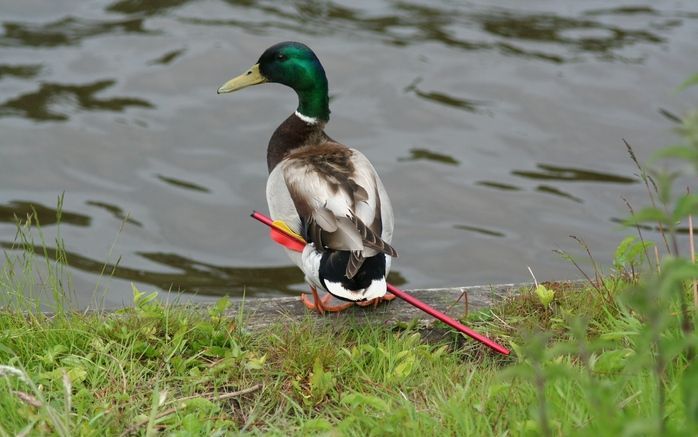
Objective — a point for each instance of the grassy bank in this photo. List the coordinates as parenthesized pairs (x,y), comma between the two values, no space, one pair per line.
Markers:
(153,368)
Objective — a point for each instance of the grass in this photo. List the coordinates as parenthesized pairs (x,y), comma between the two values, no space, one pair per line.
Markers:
(187,371)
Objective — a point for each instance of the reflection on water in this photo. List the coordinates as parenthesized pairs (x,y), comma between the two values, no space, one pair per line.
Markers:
(683,230)
(23,71)
(15,210)
(179,183)
(144,7)
(444,99)
(548,189)
(555,173)
(480,230)
(67,31)
(167,57)
(193,276)
(588,35)
(38,105)
(499,185)
(670,116)
(417,154)
(409,24)
(116,211)
(557,192)
(624,10)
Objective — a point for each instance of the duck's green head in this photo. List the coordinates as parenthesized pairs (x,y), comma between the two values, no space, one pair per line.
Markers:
(292,64)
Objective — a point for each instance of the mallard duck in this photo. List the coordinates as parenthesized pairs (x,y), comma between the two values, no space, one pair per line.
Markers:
(326,192)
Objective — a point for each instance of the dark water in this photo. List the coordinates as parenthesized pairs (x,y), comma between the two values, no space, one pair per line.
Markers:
(496,126)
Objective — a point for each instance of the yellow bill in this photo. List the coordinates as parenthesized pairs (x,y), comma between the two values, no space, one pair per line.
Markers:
(249,78)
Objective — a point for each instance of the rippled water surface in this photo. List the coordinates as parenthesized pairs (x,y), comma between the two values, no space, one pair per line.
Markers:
(497,128)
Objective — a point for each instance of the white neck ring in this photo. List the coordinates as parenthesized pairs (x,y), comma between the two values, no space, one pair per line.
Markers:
(305,118)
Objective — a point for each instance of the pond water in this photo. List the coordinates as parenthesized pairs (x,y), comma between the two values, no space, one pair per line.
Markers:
(496,126)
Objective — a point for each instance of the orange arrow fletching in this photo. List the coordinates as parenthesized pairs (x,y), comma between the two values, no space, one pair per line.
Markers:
(286,241)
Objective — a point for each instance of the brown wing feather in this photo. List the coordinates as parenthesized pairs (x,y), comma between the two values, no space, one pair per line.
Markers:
(332,163)
(371,240)
(314,235)
(356,260)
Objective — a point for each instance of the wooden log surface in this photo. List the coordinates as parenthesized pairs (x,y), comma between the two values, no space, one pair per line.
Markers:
(261,312)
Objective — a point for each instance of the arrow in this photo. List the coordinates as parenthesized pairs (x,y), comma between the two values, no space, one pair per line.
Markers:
(291,240)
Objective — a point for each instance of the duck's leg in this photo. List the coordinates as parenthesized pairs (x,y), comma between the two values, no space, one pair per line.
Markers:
(375,301)
(322,304)
(317,303)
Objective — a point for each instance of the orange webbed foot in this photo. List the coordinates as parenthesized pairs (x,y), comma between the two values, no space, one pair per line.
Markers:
(375,301)
(322,304)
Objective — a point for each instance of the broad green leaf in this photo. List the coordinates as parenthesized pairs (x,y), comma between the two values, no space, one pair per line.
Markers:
(612,361)
(76,374)
(675,272)
(664,181)
(140,299)
(137,294)
(630,251)
(677,151)
(404,369)
(219,308)
(191,424)
(691,81)
(495,389)
(619,256)
(256,363)
(545,295)
(215,351)
(527,427)
(635,251)
(679,269)
(686,205)
(689,383)
(367,348)
(402,354)
(201,405)
(53,352)
(321,382)
(414,338)
(356,400)
(440,351)
(648,214)
(318,425)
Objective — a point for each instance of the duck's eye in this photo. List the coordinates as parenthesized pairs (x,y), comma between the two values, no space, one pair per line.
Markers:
(281,57)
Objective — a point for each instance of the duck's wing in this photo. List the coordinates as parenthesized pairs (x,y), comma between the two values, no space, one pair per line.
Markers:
(338,198)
